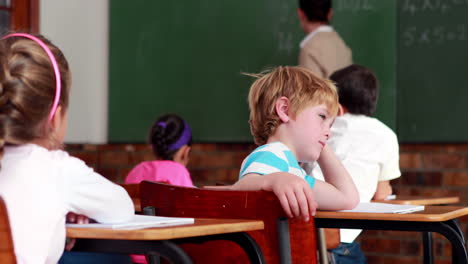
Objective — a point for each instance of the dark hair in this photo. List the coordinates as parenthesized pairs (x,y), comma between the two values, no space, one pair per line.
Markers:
(167,130)
(27,90)
(316,10)
(357,89)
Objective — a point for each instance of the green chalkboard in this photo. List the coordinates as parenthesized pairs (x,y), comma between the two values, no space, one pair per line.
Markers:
(419,51)
(187,56)
(369,27)
(432,71)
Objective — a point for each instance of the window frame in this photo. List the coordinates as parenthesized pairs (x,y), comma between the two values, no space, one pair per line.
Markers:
(24,15)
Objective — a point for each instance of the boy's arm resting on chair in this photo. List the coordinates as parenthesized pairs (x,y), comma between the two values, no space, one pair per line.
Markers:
(295,195)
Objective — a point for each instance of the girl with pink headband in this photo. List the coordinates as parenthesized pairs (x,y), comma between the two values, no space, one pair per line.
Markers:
(170,138)
(41,184)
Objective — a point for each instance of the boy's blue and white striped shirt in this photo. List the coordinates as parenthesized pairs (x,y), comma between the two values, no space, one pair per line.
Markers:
(273,157)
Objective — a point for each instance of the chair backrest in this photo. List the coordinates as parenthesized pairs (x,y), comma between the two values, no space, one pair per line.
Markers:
(176,201)
(133,190)
(7,252)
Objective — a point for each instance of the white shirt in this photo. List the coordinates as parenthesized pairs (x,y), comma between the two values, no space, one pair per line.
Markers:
(369,151)
(40,187)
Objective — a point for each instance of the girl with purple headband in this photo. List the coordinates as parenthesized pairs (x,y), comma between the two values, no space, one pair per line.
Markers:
(40,183)
(170,138)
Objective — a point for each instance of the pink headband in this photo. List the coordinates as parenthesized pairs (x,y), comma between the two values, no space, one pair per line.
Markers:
(58,84)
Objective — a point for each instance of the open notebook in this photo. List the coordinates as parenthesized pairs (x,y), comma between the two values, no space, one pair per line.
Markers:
(139,222)
(385,208)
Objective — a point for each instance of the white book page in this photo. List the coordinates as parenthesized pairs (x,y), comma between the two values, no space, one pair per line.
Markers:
(385,208)
(139,222)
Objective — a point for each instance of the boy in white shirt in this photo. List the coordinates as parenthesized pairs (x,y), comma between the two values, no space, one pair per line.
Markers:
(367,148)
(291,112)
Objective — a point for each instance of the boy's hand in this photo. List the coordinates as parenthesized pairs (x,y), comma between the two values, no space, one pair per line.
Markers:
(76,219)
(295,195)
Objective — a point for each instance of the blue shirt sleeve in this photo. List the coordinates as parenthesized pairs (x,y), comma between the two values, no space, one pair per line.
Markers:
(310,180)
(255,164)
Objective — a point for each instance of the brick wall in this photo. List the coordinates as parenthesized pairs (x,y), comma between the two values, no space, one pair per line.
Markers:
(428,169)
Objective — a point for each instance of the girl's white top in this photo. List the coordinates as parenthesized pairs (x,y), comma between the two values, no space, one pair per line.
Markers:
(40,187)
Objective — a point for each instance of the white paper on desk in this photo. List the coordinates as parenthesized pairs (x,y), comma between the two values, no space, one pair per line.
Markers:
(385,208)
(140,222)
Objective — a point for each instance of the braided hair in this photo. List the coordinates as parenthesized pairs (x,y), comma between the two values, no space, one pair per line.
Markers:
(27,90)
(165,133)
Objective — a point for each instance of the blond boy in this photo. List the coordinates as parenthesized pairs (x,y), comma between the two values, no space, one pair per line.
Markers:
(291,112)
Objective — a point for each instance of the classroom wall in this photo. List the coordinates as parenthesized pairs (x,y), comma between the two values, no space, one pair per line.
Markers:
(428,169)
(80,29)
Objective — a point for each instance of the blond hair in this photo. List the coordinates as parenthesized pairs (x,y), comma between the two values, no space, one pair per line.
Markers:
(302,87)
(27,90)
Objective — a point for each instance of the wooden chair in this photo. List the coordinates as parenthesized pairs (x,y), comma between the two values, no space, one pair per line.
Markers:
(170,200)
(7,253)
(133,191)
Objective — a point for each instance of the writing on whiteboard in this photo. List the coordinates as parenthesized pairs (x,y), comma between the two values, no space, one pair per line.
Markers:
(414,35)
(354,5)
(424,6)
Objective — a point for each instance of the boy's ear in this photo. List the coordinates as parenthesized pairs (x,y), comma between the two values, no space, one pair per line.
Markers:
(341,110)
(282,108)
(330,15)
(300,14)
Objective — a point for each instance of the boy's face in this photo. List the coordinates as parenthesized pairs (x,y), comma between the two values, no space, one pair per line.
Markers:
(310,132)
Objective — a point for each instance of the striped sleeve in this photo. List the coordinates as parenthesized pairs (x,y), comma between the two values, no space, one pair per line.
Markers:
(263,162)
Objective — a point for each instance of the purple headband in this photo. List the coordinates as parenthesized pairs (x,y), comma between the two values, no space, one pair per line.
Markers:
(58,84)
(183,139)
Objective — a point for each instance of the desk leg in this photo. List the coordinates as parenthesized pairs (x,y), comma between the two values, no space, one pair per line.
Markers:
(428,256)
(448,229)
(246,242)
(455,224)
(322,246)
(284,243)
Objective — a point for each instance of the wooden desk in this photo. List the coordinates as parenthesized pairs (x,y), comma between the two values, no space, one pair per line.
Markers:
(421,200)
(440,219)
(163,241)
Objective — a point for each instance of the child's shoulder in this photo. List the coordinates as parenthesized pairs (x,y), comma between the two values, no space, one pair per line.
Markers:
(363,124)
(37,156)
(276,146)
(36,152)
(271,153)
(323,40)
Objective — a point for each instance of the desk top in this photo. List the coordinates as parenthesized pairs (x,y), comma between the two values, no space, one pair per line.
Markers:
(430,214)
(422,200)
(201,227)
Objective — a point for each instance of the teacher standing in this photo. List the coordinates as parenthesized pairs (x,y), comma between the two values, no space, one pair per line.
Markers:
(322,50)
